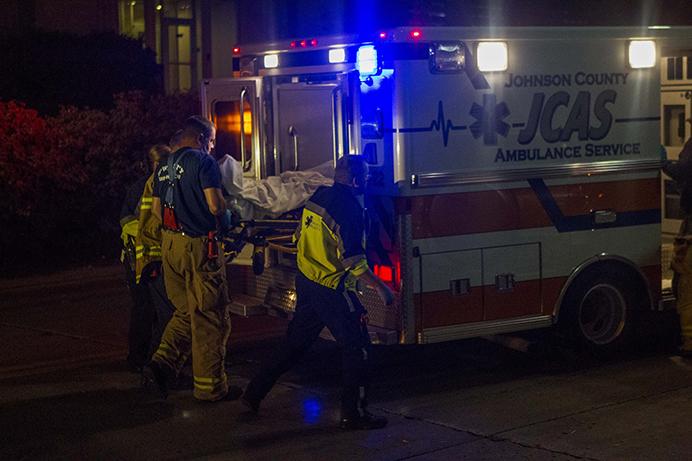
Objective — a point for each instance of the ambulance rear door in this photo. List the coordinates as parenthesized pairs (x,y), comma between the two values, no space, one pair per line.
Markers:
(234,106)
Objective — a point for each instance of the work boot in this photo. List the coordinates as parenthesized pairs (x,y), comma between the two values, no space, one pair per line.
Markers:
(366,422)
(159,377)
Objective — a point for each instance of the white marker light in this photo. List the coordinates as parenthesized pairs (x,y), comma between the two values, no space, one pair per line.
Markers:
(271,61)
(492,56)
(337,55)
(642,54)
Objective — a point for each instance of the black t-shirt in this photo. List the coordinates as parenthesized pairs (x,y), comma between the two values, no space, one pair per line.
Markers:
(195,172)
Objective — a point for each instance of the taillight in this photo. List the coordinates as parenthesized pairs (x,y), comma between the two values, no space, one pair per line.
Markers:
(389,274)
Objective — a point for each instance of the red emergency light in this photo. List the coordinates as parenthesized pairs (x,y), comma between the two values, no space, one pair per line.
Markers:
(391,275)
(384,273)
(236,50)
(313,42)
(416,34)
(293,44)
(383,34)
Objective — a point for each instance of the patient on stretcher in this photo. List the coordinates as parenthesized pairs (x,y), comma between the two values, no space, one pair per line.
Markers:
(275,195)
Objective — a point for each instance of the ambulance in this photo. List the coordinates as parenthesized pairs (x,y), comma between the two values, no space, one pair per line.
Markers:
(515,172)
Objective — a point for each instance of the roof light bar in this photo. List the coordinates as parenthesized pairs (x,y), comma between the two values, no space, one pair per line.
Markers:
(447,57)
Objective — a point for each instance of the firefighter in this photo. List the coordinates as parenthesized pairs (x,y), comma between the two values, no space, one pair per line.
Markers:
(681,172)
(187,197)
(331,260)
(141,238)
(148,269)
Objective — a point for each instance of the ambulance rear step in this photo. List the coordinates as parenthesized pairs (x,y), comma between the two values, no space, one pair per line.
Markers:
(246,306)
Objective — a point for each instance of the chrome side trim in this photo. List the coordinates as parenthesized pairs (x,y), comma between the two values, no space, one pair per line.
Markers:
(574,169)
(586,265)
(473,330)
(408,313)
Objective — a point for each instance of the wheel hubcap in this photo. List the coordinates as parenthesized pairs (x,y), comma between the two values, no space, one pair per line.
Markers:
(602,314)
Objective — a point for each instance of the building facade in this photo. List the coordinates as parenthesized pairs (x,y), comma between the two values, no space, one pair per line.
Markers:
(193,39)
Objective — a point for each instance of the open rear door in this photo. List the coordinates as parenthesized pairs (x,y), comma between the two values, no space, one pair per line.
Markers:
(234,107)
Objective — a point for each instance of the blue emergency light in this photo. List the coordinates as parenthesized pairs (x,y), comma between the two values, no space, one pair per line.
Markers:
(367,62)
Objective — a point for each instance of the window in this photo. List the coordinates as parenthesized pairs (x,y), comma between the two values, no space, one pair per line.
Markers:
(673,125)
(178,44)
(226,117)
(131,17)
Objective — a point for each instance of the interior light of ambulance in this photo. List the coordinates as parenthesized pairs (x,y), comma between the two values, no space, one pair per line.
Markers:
(367,60)
(337,55)
(492,56)
(642,54)
(448,57)
(271,61)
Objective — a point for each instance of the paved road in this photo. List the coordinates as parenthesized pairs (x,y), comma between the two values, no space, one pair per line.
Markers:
(65,394)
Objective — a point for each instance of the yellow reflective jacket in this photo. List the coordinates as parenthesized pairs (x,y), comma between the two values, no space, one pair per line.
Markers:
(148,239)
(331,238)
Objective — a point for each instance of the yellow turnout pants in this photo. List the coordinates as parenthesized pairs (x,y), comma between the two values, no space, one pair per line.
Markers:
(200,325)
(682,265)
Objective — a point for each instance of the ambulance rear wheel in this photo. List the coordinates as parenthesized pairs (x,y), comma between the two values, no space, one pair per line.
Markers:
(598,312)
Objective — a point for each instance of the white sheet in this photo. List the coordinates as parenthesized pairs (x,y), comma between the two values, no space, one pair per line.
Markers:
(275,195)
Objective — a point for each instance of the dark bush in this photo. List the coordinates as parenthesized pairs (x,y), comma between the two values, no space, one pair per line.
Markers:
(63,178)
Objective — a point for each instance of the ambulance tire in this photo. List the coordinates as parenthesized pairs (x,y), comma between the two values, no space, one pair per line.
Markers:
(599,310)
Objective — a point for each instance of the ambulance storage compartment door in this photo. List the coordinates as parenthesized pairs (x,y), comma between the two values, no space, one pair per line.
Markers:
(478,291)
(452,288)
(233,106)
(309,121)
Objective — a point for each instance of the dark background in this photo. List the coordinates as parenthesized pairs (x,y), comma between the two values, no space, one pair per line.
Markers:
(263,20)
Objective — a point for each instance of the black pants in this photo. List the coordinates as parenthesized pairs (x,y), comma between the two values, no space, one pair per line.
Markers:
(342,313)
(150,313)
